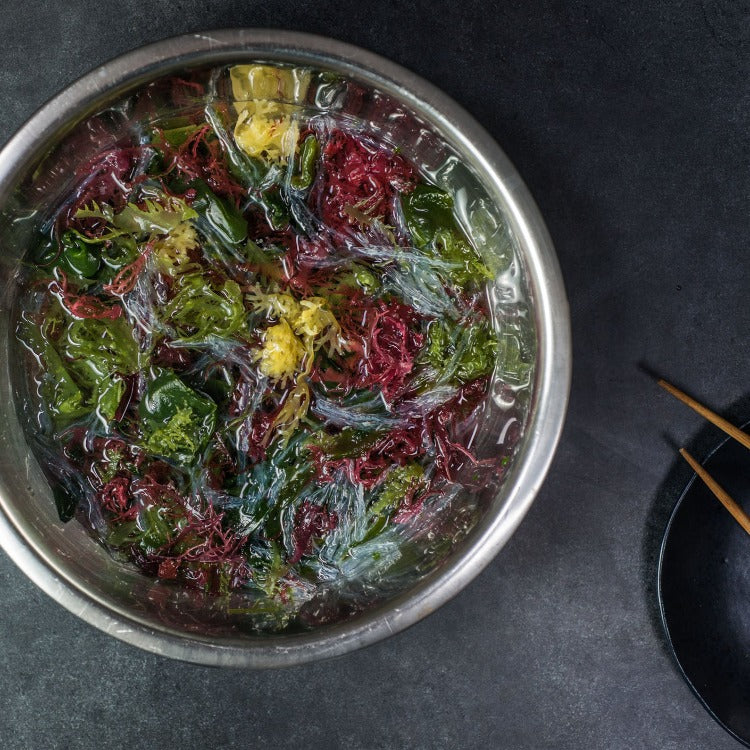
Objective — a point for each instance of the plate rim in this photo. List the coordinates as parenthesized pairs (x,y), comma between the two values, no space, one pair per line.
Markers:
(659,593)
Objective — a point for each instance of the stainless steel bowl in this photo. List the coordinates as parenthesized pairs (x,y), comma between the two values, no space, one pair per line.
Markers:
(67,564)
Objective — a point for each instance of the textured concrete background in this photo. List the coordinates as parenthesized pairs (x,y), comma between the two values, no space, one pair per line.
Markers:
(629,122)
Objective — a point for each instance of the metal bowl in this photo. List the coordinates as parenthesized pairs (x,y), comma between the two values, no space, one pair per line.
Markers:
(65,562)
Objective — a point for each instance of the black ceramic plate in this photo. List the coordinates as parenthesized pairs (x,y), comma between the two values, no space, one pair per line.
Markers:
(704,590)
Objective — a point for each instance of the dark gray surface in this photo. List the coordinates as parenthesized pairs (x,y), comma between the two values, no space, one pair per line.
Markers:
(629,122)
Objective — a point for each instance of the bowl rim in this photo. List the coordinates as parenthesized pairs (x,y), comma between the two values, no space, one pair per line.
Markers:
(553,365)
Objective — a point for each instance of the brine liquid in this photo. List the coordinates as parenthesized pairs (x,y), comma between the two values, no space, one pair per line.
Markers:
(273,351)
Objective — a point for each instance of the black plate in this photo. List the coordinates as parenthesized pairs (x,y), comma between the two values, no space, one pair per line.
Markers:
(704,590)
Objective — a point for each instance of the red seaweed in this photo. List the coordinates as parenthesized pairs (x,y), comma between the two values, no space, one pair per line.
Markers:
(450,454)
(370,467)
(201,157)
(115,497)
(429,434)
(126,277)
(82,306)
(106,178)
(207,553)
(176,358)
(355,175)
(384,337)
(310,521)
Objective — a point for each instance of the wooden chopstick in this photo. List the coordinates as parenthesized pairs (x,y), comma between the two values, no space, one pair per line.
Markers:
(721,494)
(735,432)
(741,437)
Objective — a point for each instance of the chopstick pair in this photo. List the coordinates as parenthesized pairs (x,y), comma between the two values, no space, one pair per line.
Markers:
(741,437)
